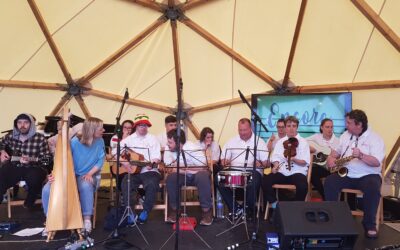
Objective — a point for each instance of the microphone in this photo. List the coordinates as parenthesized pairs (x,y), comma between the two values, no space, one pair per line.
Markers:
(241,95)
(126,96)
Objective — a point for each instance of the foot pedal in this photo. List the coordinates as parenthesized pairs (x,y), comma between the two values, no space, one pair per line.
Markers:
(186,224)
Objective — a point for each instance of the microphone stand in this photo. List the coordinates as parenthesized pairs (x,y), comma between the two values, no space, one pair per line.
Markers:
(114,239)
(256,119)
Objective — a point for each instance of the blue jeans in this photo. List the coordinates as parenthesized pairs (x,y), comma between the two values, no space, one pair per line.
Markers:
(86,195)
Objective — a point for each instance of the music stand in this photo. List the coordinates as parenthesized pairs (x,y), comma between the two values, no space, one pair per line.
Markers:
(193,158)
(128,212)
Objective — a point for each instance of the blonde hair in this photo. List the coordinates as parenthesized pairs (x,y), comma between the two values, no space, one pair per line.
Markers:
(90,125)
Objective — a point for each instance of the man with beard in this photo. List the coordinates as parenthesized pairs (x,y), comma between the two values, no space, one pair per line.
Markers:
(20,151)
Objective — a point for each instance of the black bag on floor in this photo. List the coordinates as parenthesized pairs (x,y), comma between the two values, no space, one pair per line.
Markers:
(111,221)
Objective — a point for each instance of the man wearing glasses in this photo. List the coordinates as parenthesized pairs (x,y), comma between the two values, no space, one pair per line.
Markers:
(143,143)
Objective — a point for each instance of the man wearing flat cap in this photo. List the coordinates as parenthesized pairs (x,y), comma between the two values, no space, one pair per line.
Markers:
(20,151)
(141,142)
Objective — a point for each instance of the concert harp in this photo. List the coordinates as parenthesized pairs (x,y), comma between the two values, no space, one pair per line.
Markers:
(64,211)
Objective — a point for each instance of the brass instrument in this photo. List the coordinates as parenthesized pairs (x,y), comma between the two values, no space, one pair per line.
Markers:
(340,168)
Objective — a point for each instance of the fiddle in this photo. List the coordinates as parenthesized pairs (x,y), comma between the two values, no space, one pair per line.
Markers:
(290,146)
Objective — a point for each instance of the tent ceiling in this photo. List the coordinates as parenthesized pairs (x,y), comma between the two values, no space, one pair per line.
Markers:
(216,47)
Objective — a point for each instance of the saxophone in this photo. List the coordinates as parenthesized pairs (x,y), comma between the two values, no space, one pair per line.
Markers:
(340,168)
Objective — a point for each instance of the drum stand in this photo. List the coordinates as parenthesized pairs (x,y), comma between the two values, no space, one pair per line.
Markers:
(242,219)
(184,220)
(128,213)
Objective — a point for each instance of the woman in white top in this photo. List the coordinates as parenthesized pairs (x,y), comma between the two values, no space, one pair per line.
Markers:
(127,130)
(320,143)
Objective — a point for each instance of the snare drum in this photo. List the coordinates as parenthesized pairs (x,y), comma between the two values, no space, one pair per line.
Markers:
(233,179)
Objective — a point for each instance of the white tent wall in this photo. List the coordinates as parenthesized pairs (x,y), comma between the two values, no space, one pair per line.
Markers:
(336,44)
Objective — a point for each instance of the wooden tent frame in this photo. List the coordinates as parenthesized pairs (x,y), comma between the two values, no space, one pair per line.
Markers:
(176,12)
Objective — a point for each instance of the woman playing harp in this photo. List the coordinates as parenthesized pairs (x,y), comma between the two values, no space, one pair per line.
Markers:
(88,157)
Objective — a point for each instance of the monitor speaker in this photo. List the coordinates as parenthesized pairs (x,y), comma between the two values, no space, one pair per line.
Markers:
(316,225)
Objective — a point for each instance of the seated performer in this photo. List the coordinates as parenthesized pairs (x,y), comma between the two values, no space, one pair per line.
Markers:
(88,154)
(20,151)
(321,145)
(191,156)
(127,130)
(238,153)
(170,124)
(271,143)
(285,172)
(367,151)
(207,142)
(145,144)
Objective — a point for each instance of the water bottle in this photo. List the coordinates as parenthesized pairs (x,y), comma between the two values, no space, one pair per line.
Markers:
(220,206)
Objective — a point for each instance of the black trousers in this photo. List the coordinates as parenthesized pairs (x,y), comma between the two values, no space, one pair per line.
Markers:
(317,174)
(370,185)
(299,180)
(34,177)
(150,181)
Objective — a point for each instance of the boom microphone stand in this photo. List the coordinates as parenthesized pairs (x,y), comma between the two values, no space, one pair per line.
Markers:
(254,116)
(114,239)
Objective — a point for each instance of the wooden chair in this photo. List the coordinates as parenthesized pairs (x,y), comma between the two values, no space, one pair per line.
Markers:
(11,203)
(379,212)
(292,187)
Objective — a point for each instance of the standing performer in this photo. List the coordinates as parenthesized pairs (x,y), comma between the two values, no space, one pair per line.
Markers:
(20,151)
(88,155)
(288,168)
(145,144)
(193,155)
(321,145)
(366,151)
(170,124)
(238,153)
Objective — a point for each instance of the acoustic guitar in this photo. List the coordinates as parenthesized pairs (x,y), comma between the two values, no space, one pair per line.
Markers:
(321,154)
(135,159)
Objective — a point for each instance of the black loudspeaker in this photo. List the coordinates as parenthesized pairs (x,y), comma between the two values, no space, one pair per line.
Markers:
(315,225)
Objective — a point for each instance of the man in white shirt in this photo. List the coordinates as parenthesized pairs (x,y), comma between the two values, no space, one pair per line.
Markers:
(288,172)
(238,154)
(367,150)
(143,143)
(170,124)
(321,143)
(192,155)
(271,143)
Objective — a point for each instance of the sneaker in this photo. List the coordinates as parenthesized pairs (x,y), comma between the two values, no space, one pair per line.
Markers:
(132,218)
(207,218)
(143,217)
(172,216)
(45,233)
(87,225)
